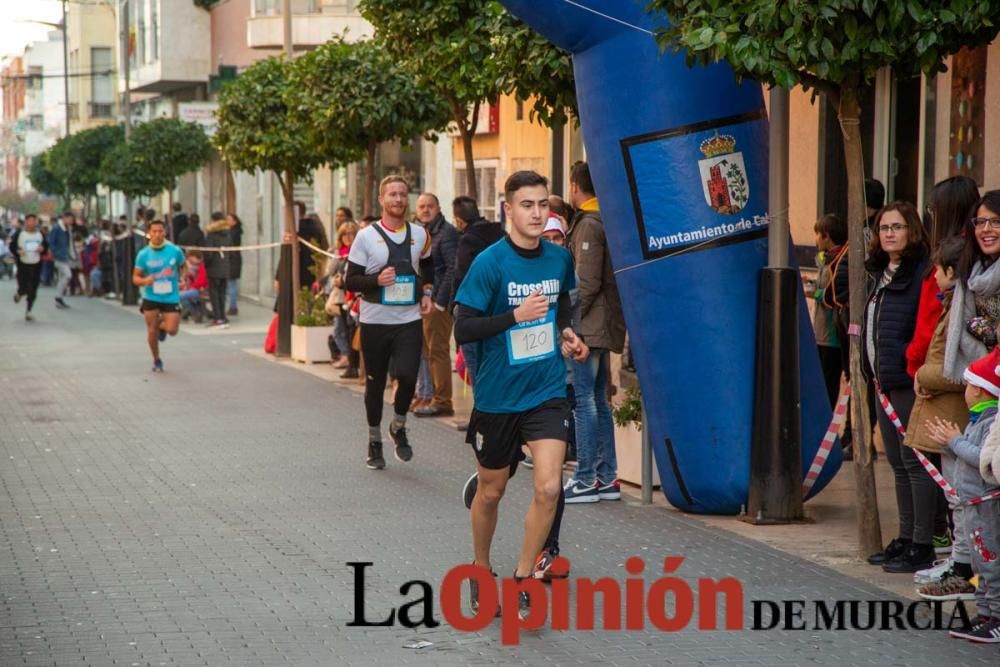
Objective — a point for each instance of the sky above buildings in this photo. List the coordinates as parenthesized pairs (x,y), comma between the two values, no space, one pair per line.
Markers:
(15,30)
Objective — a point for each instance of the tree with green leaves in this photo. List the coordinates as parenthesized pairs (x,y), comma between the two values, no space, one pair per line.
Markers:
(351,97)
(173,147)
(469,52)
(132,172)
(257,130)
(834,47)
(76,159)
(42,178)
(530,67)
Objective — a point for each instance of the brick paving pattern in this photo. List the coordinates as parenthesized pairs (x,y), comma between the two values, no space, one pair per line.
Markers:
(205,516)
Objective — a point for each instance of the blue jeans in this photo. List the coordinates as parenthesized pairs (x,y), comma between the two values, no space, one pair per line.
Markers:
(233,286)
(425,385)
(340,334)
(470,352)
(189,298)
(595,435)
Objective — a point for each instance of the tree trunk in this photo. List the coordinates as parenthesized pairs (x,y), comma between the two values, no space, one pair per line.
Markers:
(168,216)
(458,112)
(288,186)
(370,177)
(869,530)
(230,190)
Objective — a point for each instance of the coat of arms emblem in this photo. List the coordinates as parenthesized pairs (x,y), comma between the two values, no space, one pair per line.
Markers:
(723,175)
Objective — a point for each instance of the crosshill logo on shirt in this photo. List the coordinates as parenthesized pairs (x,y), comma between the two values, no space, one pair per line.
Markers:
(518,292)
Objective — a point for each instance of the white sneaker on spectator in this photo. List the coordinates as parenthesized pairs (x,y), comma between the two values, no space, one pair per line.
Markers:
(934,573)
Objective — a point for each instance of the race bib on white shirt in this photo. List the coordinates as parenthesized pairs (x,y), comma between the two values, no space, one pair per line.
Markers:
(400,293)
(532,341)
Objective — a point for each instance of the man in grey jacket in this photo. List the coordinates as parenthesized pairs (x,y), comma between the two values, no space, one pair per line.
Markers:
(601,325)
(438,323)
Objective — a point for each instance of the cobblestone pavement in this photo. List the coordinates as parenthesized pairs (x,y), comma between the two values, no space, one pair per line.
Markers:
(205,516)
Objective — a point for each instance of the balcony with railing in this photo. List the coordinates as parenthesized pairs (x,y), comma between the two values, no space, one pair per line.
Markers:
(169,50)
(314,22)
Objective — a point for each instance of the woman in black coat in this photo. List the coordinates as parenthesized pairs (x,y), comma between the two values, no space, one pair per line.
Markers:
(235,262)
(217,267)
(898,260)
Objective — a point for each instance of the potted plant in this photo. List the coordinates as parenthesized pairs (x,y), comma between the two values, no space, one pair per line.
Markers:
(311,329)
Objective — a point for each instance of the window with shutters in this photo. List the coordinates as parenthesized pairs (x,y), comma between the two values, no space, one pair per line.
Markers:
(486,180)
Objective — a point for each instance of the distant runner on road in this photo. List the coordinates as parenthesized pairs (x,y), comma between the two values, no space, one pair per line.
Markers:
(157,271)
(387,264)
(28,246)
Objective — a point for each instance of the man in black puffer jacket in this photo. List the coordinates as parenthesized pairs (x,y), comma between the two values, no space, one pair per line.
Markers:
(479,235)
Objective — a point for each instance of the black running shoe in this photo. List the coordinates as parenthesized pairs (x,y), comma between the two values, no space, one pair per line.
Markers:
(523,599)
(403,450)
(986,633)
(469,490)
(474,594)
(972,631)
(375,459)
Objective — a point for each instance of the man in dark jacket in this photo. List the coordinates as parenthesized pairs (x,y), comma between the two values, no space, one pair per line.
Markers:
(479,235)
(192,236)
(179,222)
(438,324)
(63,253)
(601,325)
(217,268)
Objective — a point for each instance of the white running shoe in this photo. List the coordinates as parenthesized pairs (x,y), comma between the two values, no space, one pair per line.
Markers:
(934,573)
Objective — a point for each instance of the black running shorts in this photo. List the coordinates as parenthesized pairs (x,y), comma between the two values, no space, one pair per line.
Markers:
(160,306)
(497,438)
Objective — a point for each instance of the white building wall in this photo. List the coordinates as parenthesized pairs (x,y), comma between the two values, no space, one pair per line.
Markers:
(43,97)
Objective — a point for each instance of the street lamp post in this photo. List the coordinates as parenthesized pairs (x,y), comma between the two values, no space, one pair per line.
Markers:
(129,291)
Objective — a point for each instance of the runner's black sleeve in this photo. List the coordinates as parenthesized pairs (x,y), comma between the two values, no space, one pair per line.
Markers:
(472,325)
(357,281)
(564,312)
(426,269)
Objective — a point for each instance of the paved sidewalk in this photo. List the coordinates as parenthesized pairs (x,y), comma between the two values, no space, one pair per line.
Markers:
(205,516)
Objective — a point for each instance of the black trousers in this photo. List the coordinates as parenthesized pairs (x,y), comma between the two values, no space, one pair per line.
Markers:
(916,492)
(830,362)
(217,294)
(384,343)
(28,277)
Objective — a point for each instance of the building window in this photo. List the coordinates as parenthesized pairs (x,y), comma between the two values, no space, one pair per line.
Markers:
(154,23)
(486,179)
(101,87)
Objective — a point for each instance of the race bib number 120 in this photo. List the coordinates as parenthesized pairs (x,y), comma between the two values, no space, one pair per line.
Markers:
(532,341)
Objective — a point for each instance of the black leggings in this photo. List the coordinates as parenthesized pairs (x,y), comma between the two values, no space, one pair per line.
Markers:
(28,277)
(380,344)
(217,293)
(916,491)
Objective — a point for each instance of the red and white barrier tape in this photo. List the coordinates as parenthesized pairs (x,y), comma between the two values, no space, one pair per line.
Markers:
(931,469)
(839,415)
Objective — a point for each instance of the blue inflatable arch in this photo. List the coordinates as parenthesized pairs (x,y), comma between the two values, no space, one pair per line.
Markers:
(679,157)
